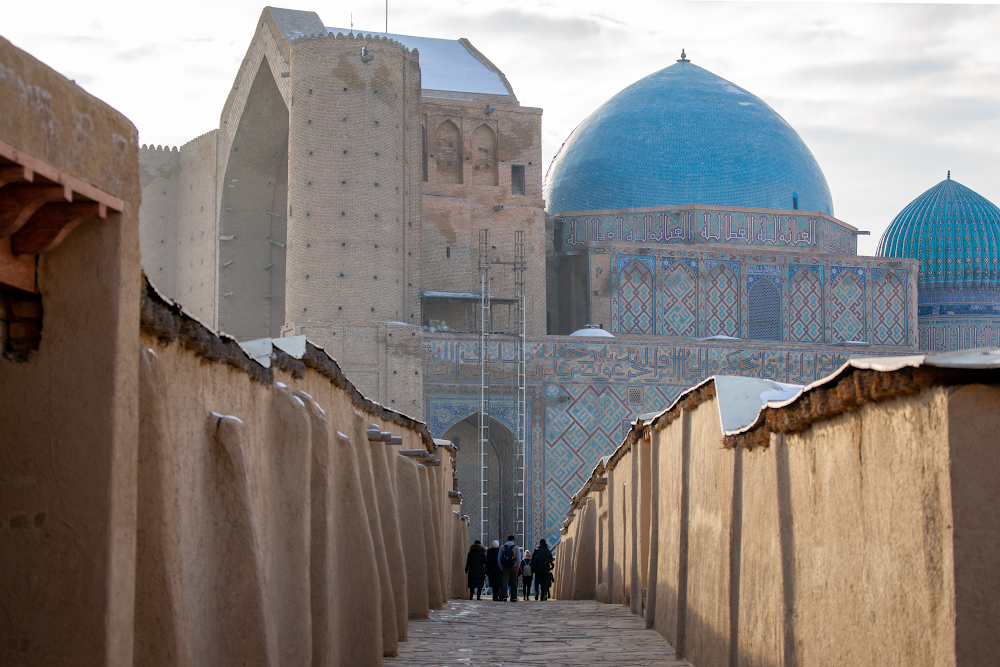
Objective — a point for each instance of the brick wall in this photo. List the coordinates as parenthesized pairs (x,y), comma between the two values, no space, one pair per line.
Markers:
(159,170)
(459,200)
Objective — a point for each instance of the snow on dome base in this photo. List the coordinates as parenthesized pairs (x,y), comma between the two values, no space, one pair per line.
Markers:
(685,136)
(593,331)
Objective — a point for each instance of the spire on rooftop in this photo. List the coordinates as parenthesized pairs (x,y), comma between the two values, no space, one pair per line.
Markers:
(683,58)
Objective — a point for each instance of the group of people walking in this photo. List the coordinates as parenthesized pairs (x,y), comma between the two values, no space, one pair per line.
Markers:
(504,565)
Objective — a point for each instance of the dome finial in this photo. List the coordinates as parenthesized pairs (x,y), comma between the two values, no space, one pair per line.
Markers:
(683,58)
(949,174)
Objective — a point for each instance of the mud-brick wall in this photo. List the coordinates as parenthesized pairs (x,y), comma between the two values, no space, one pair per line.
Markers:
(67,426)
(276,526)
(869,536)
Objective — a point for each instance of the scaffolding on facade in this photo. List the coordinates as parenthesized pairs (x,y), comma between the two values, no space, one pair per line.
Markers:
(486,266)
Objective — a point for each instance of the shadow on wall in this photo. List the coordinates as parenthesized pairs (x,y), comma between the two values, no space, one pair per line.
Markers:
(169,500)
(823,523)
(258,486)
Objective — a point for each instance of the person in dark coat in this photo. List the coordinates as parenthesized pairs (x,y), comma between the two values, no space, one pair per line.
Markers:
(475,567)
(493,568)
(526,573)
(541,567)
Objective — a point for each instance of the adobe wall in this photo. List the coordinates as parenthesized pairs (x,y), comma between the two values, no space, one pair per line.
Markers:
(256,486)
(168,499)
(67,463)
(868,534)
(972,428)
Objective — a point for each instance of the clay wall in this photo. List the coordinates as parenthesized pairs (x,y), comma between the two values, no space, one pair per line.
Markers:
(67,413)
(257,485)
(169,500)
(859,535)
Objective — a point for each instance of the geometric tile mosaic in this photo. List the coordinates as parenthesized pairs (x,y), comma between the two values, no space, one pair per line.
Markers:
(721,302)
(847,311)
(805,304)
(635,296)
(888,309)
(680,298)
(578,399)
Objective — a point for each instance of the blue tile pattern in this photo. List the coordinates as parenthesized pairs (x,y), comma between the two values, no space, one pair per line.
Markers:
(953,231)
(685,136)
(697,224)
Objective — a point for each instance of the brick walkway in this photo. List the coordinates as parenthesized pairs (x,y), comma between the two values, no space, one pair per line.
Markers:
(532,634)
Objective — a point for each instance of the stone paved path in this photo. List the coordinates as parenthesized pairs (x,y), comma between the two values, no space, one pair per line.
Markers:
(555,633)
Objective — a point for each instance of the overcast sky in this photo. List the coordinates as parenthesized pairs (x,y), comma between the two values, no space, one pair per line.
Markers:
(887,96)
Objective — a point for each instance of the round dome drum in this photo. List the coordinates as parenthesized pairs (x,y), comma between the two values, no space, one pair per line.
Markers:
(685,136)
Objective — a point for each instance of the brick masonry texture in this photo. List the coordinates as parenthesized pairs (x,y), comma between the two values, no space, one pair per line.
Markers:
(348,202)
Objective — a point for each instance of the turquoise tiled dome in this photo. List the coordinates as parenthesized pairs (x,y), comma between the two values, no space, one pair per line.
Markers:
(685,136)
(953,231)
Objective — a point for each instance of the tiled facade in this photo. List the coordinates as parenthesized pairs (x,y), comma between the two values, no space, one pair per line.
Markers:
(342,198)
(955,234)
(579,400)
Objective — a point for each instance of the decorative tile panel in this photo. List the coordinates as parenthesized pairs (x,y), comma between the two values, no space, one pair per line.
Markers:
(721,302)
(888,309)
(633,303)
(847,303)
(805,304)
(699,224)
(679,297)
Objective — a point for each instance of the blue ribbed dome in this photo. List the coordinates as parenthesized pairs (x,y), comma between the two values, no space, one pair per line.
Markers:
(953,231)
(685,136)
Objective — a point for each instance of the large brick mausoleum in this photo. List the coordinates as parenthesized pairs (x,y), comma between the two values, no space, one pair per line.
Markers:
(686,231)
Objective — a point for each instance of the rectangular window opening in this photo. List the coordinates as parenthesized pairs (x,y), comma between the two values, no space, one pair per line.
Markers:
(517,179)
(635,396)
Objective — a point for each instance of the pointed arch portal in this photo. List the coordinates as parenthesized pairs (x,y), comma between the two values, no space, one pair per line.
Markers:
(501,457)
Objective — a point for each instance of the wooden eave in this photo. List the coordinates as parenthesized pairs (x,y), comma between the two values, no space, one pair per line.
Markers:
(39,206)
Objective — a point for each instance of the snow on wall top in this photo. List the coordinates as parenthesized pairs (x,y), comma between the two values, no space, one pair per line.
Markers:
(445,64)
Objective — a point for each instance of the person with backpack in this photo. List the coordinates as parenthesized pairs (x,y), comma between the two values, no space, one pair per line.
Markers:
(493,568)
(510,556)
(541,566)
(525,572)
(475,567)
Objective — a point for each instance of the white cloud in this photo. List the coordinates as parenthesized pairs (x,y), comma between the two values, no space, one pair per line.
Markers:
(887,96)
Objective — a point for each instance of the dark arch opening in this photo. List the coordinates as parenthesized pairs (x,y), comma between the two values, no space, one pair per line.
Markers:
(764,303)
(501,464)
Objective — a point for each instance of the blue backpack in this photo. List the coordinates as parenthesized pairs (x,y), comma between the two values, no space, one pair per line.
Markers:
(507,556)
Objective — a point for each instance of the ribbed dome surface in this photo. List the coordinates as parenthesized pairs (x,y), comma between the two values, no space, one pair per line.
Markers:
(953,231)
(685,136)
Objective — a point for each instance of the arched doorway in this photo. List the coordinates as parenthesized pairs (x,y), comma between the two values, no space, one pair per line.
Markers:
(501,467)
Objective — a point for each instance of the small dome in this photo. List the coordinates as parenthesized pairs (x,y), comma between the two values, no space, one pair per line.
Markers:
(685,136)
(593,331)
(953,231)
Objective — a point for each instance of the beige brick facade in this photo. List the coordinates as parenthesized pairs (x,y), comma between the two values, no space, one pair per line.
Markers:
(325,204)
